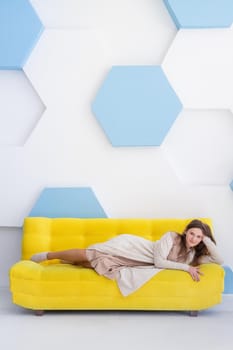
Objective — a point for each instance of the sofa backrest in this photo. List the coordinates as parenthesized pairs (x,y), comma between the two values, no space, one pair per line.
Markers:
(49,234)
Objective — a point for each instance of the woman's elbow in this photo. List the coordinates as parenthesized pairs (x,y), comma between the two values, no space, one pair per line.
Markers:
(220,261)
(158,263)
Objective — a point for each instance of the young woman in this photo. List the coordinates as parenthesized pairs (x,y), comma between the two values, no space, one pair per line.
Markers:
(132,260)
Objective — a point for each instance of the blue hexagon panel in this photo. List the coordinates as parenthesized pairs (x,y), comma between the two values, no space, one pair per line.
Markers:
(136,106)
(20,29)
(68,202)
(201,13)
(231,185)
(228,282)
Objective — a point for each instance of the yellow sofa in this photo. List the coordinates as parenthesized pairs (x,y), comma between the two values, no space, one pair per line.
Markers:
(53,285)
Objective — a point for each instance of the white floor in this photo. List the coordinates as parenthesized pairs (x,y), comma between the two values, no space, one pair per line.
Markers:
(21,329)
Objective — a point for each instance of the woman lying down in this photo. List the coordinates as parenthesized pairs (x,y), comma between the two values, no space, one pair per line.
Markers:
(132,260)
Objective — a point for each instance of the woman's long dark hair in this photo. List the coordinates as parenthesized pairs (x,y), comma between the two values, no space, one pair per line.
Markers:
(200,249)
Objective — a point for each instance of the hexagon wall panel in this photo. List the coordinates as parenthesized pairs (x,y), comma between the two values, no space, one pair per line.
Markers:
(20,29)
(131,32)
(195,149)
(198,64)
(68,202)
(20,109)
(136,106)
(228,282)
(201,13)
(231,185)
(68,147)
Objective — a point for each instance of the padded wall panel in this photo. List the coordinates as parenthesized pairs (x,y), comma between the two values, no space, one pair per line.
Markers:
(20,29)
(67,202)
(136,106)
(131,32)
(20,108)
(231,185)
(201,13)
(211,157)
(82,41)
(198,64)
(228,281)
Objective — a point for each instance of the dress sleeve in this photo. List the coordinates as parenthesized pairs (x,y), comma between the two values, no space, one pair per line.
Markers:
(213,256)
(161,251)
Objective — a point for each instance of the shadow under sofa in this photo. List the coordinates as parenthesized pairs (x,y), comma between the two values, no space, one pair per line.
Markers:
(53,285)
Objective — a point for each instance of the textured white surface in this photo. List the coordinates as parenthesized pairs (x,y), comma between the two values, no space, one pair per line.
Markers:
(20,108)
(132,31)
(81,41)
(199,66)
(197,150)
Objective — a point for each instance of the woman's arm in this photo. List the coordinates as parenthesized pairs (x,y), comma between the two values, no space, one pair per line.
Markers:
(162,249)
(213,256)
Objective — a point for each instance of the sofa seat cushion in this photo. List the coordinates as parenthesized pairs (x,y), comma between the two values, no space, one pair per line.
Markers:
(52,285)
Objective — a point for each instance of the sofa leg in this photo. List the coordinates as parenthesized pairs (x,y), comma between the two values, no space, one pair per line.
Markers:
(193,313)
(39,312)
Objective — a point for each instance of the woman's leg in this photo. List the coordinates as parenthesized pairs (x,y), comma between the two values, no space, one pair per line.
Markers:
(72,256)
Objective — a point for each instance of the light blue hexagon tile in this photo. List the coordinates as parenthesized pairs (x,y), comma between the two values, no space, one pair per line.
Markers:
(20,29)
(136,106)
(228,288)
(67,202)
(201,13)
(231,185)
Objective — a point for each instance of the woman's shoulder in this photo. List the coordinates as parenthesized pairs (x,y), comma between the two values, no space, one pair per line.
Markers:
(171,236)
(176,237)
(174,234)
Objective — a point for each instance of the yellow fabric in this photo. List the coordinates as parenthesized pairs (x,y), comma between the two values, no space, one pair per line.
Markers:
(52,285)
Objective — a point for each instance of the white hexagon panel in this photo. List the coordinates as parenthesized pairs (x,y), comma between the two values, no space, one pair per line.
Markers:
(198,65)
(199,147)
(20,108)
(131,32)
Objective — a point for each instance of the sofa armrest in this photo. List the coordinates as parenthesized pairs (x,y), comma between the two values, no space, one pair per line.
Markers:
(26,268)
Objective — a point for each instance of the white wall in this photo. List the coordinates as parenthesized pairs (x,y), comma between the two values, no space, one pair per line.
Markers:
(67,147)
(10,248)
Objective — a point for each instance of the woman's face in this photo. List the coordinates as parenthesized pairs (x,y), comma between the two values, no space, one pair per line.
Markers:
(193,237)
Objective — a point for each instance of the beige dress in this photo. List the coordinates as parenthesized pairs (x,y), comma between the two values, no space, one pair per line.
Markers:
(132,260)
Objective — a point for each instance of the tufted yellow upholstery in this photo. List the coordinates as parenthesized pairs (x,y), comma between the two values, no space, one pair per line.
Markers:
(52,285)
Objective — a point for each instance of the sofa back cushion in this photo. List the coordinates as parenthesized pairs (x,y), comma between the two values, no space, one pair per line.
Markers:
(50,234)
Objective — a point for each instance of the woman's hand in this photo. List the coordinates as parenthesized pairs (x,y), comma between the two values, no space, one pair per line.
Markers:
(195,273)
